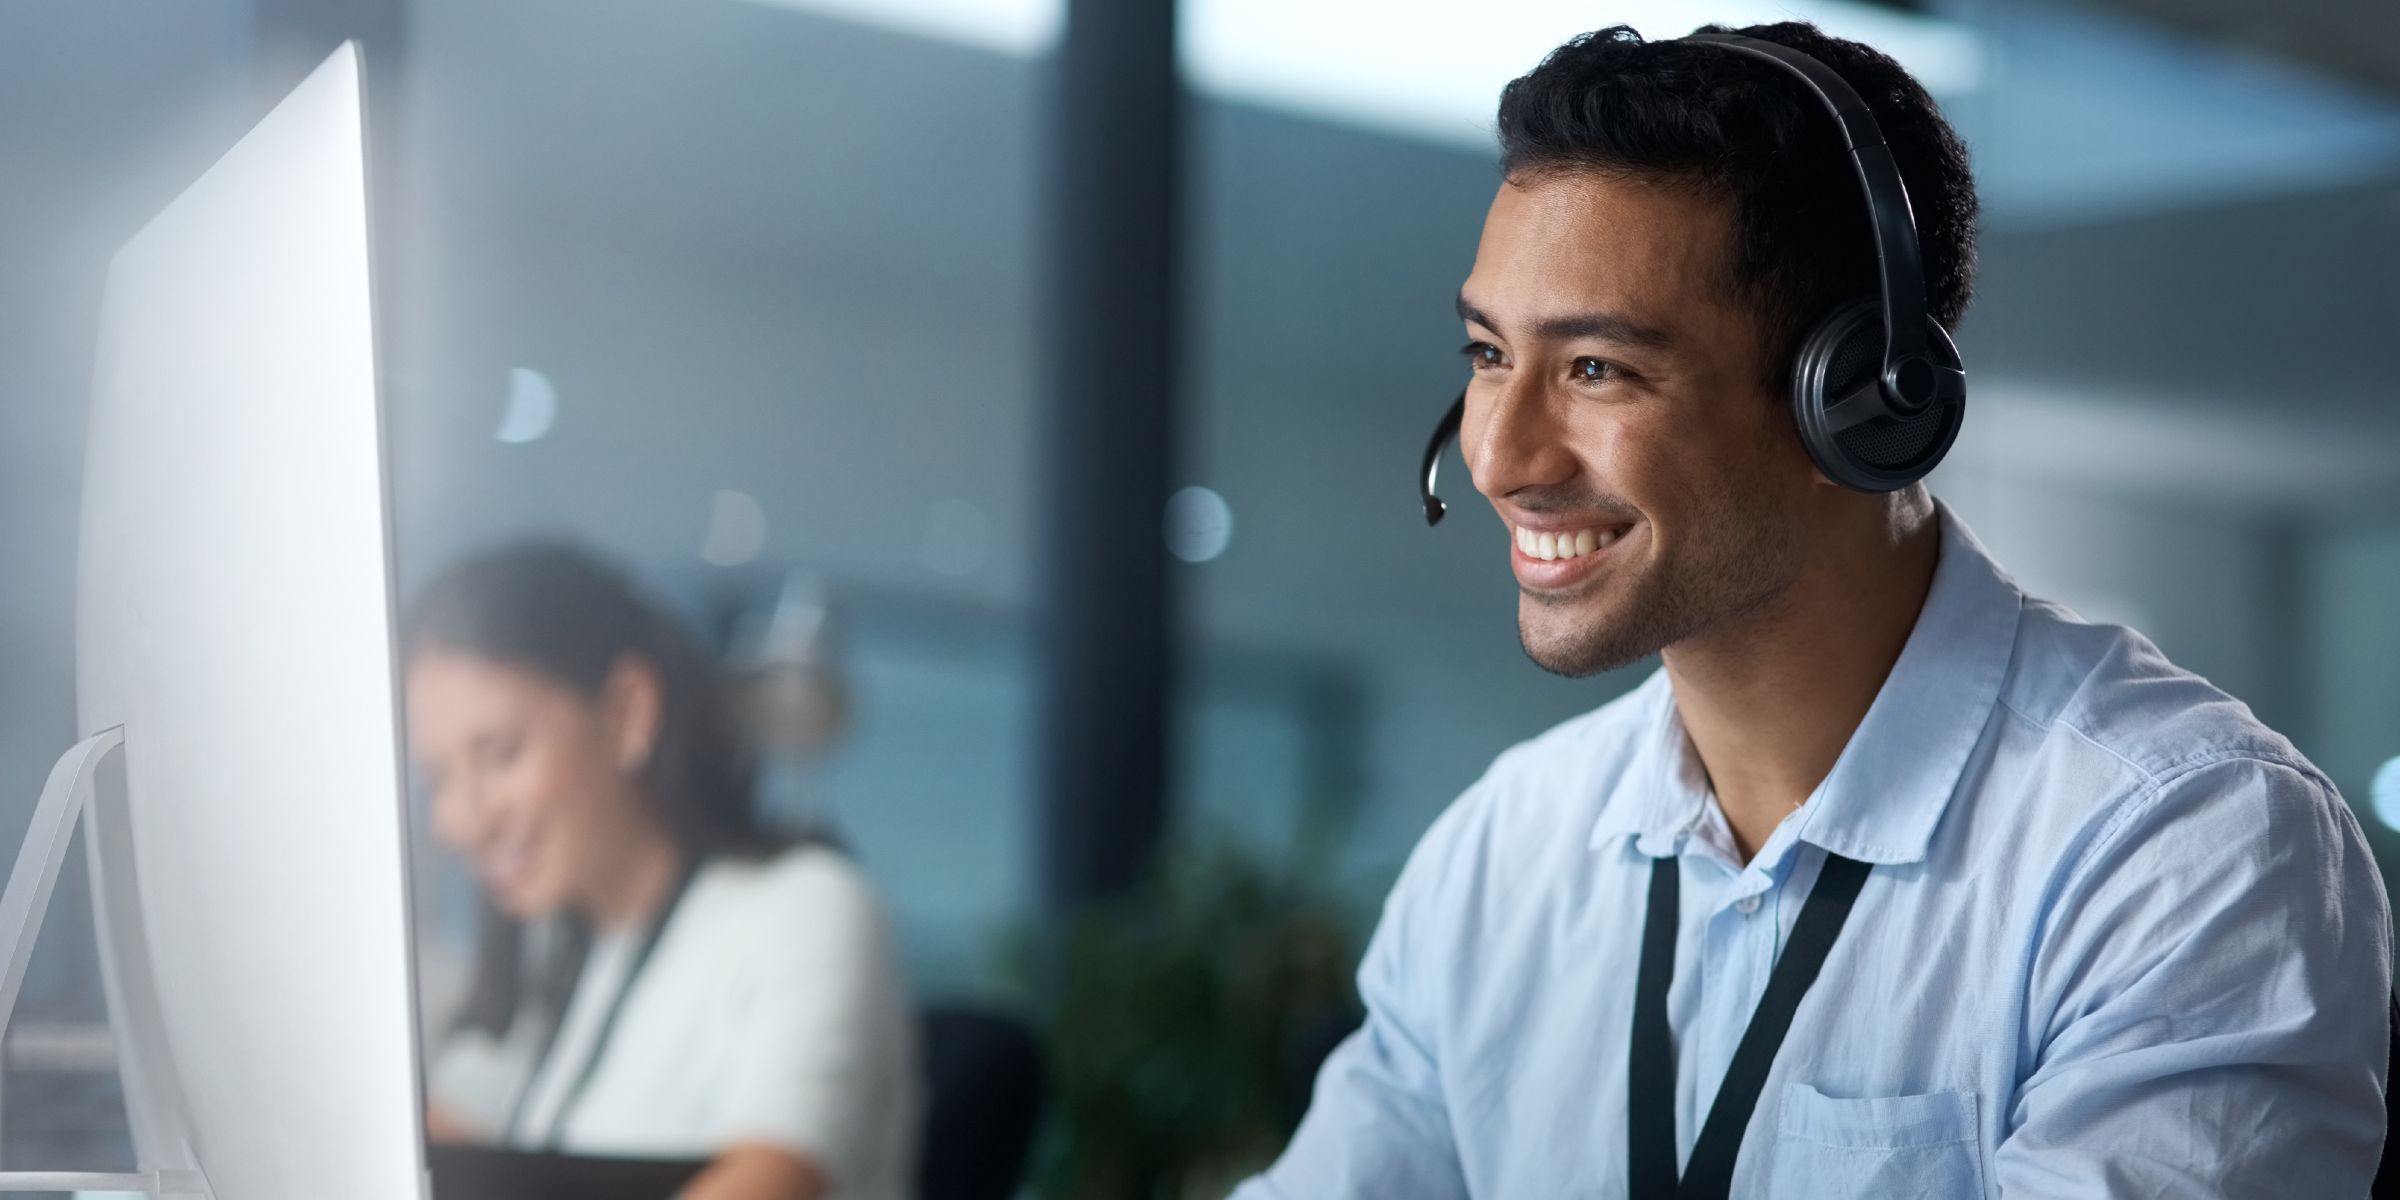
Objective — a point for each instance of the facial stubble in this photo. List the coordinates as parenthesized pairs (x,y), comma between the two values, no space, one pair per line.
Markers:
(1744,563)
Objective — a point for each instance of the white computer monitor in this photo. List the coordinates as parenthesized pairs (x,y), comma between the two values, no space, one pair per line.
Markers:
(234,631)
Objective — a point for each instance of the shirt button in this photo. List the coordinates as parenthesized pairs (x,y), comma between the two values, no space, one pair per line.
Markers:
(1746,905)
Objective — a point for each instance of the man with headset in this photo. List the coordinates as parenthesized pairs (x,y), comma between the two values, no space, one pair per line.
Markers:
(1893,881)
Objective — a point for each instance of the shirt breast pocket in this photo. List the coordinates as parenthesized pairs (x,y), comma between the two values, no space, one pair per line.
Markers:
(1919,1147)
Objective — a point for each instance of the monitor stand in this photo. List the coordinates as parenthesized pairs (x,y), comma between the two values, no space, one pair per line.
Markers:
(168,1167)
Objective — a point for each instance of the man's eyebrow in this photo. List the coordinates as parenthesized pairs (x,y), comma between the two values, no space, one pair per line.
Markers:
(1605,326)
(1473,315)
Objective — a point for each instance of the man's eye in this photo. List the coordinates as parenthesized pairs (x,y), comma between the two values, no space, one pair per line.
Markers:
(1482,355)
(1593,370)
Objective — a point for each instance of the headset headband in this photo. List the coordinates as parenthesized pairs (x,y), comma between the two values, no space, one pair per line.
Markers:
(1887,198)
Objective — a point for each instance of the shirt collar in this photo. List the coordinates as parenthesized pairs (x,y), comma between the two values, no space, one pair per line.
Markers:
(1888,789)
(1670,788)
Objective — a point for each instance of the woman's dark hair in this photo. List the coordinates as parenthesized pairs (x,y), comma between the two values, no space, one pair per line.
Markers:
(1737,129)
(560,613)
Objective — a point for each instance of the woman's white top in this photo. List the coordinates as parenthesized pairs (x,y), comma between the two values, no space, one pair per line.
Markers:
(770,1010)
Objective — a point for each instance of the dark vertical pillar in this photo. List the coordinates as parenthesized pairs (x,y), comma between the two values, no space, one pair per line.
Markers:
(1110,382)
(2282,701)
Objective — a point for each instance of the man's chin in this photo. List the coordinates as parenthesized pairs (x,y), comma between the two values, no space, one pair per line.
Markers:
(1576,644)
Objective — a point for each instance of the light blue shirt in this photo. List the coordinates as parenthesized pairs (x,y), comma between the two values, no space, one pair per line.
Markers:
(2119,939)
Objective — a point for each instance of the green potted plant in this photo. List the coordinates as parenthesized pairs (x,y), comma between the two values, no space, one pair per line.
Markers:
(1184,1022)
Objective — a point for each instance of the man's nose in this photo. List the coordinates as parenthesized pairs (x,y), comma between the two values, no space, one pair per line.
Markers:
(1512,440)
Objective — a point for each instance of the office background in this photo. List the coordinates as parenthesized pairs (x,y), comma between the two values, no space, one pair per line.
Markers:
(744,292)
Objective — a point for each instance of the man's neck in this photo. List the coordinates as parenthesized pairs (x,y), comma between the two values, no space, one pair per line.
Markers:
(1770,701)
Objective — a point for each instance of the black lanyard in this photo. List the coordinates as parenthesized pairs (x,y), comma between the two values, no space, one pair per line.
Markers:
(608,1023)
(1650,1064)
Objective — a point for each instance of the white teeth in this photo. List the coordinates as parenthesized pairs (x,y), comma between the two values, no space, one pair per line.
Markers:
(1550,547)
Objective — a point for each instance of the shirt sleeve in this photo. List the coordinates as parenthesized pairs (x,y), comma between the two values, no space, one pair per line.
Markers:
(1378,1125)
(2208,1015)
(829,1050)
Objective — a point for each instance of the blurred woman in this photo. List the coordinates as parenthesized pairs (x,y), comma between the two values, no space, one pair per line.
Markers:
(658,975)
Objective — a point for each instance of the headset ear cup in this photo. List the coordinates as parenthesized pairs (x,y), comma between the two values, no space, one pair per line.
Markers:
(1842,353)
(1830,355)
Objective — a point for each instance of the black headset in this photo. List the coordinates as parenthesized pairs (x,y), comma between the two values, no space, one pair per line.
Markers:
(1867,429)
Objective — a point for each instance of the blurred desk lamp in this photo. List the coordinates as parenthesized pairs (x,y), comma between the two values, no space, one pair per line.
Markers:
(789,688)
(238,782)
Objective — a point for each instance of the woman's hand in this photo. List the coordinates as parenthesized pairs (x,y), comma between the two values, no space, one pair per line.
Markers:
(756,1171)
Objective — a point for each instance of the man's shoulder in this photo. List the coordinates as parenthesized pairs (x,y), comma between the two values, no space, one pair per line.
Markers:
(2136,767)
(2107,694)
(2159,811)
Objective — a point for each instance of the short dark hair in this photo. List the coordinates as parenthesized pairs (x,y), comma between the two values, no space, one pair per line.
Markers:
(1741,130)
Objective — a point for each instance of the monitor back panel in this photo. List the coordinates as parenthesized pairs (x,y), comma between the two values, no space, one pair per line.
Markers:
(234,616)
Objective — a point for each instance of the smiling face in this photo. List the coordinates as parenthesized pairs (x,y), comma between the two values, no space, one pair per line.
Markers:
(1652,491)
(533,783)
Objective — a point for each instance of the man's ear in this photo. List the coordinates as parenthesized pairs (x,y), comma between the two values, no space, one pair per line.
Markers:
(632,702)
